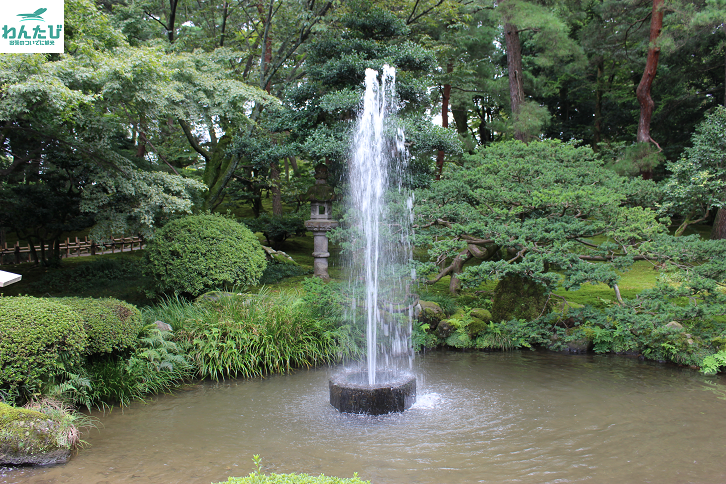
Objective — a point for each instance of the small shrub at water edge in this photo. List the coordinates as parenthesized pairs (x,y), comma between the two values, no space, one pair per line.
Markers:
(38,339)
(156,366)
(110,324)
(257,477)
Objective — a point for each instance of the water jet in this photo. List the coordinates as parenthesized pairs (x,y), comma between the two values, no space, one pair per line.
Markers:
(381,211)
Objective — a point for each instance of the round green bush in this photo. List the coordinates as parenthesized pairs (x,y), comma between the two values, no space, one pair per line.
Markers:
(37,336)
(110,324)
(195,254)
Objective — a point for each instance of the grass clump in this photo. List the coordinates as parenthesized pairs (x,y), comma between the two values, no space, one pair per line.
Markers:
(254,335)
(258,478)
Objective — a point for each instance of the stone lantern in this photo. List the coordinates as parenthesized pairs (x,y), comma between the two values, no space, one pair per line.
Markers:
(321,198)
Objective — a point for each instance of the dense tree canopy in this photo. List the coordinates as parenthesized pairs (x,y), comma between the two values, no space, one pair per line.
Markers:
(157,108)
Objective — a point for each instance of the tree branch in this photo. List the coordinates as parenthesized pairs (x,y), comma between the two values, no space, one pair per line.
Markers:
(193,141)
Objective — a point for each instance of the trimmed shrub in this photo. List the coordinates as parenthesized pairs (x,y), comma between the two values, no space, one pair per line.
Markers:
(110,324)
(195,254)
(38,337)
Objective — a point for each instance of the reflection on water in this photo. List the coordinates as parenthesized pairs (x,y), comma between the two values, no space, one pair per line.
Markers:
(525,417)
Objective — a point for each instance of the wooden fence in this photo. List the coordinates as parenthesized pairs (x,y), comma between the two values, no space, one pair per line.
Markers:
(77,248)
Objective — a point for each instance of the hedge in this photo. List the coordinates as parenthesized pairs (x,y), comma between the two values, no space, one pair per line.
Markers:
(38,337)
(110,324)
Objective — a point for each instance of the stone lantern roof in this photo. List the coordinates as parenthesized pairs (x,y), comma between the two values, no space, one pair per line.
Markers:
(321,191)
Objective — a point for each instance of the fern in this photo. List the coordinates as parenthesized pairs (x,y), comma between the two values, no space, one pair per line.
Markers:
(713,363)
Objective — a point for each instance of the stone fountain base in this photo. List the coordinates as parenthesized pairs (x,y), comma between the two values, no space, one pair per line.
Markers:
(351,393)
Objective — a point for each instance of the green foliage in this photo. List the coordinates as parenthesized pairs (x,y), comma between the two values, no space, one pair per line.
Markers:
(467,331)
(325,299)
(157,365)
(111,325)
(534,210)
(422,338)
(38,338)
(194,254)
(276,228)
(81,278)
(698,179)
(275,272)
(638,158)
(517,298)
(254,335)
(257,477)
(138,202)
(713,363)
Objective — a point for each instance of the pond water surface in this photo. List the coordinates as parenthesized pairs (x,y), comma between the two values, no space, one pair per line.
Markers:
(524,417)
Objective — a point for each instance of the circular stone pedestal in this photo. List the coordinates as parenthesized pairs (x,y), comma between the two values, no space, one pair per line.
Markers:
(351,393)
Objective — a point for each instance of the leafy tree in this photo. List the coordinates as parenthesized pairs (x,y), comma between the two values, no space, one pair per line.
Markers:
(107,108)
(697,184)
(533,211)
(322,109)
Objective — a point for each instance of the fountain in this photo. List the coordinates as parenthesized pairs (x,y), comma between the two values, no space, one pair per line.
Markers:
(380,273)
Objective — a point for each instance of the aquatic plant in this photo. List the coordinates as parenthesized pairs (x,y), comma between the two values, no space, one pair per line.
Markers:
(258,477)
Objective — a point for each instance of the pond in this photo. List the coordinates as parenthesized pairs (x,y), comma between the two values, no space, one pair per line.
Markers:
(525,417)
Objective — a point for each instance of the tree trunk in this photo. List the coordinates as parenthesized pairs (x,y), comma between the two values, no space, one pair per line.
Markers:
(42,250)
(275,188)
(514,66)
(266,57)
(718,231)
(141,144)
(597,132)
(33,252)
(458,266)
(224,23)
(445,96)
(170,29)
(646,82)
(485,134)
(293,163)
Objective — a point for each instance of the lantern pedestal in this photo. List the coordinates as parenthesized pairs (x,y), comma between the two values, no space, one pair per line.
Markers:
(321,197)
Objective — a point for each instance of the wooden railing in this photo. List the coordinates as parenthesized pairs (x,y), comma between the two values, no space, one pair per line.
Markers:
(80,247)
